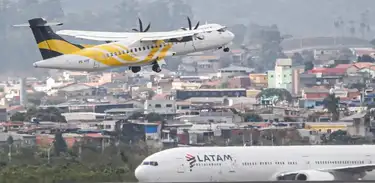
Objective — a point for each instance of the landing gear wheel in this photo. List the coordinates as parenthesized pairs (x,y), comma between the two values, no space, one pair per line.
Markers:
(156,68)
(226,49)
(135,69)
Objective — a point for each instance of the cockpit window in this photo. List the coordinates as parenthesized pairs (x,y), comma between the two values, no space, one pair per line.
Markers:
(152,163)
(222,29)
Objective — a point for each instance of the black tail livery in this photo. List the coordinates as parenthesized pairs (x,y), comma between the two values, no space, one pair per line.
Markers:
(49,43)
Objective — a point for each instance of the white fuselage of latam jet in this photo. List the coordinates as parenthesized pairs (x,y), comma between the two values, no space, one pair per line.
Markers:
(258,163)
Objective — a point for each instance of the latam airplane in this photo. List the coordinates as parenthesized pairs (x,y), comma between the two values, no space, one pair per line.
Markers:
(127,49)
(259,163)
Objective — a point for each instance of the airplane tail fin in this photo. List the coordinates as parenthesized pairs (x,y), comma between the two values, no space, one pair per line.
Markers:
(49,43)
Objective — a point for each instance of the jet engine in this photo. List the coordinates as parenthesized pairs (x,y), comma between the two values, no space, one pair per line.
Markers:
(313,175)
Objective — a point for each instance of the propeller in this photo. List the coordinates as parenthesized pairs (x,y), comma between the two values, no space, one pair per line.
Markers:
(190,26)
(141,27)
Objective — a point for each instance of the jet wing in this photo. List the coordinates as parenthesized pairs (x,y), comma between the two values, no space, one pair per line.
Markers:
(142,36)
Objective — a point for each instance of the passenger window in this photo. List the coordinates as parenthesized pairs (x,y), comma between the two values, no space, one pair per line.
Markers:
(161,46)
(127,51)
(144,48)
(146,163)
(135,50)
(148,47)
(152,47)
(131,50)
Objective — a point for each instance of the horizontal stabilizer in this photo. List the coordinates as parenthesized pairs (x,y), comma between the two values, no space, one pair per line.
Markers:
(39,25)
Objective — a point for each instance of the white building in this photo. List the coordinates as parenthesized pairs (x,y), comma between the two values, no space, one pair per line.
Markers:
(160,106)
(282,76)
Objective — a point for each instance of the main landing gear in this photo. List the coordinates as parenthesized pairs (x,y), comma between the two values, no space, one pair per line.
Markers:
(135,69)
(225,49)
(156,67)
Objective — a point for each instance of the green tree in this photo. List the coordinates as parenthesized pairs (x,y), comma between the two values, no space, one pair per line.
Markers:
(18,116)
(59,143)
(297,59)
(309,66)
(331,103)
(252,117)
(282,93)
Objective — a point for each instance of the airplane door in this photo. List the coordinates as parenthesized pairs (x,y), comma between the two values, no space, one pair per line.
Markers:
(232,167)
(368,159)
(306,162)
(181,167)
(96,64)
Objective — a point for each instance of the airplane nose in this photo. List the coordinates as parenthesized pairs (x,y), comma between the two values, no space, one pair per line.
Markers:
(35,65)
(231,35)
(139,174)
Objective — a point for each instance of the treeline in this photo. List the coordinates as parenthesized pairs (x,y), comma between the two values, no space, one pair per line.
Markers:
(85,162)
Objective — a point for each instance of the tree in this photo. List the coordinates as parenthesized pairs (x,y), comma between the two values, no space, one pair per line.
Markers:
(365,58)
(252,117)
(18,116)
(281,93)
(59,143)
(331,103)
(297,58)
(309,66)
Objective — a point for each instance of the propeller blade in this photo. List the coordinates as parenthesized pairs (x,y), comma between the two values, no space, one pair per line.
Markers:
(147,28)
(189,21)
(196,27)
(140,25)
(136,30)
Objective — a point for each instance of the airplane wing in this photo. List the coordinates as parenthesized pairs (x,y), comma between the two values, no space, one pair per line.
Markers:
(326,174)
(142,36)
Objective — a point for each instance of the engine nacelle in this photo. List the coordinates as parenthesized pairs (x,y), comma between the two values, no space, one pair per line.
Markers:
(313,175)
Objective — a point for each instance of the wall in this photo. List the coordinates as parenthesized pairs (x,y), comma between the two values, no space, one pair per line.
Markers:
(160,106)
(271,79)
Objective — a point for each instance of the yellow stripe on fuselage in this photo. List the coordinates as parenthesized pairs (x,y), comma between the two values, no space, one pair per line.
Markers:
(152,52)
(98,56)
(164,51)
(126,56)
(58,46)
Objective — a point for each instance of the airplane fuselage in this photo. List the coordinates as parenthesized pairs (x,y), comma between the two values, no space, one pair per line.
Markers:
(133,52)
(255,163)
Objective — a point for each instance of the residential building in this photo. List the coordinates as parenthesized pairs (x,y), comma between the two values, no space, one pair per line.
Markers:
(259,80)
(234,70)
(282,76)
(164,107)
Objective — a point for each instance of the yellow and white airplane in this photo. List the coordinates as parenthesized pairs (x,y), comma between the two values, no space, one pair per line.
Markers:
(130,49)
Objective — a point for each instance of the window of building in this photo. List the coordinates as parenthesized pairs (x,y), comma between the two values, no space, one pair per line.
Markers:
(157,106)
(168,105)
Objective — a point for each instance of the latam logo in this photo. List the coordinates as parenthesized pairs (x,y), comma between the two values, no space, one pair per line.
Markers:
(191,159)
(206,158)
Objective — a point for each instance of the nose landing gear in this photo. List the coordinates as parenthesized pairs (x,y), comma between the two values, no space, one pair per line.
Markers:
(226,49)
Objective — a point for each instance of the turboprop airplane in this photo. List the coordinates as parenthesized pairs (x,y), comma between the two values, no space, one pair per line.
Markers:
(129,49)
